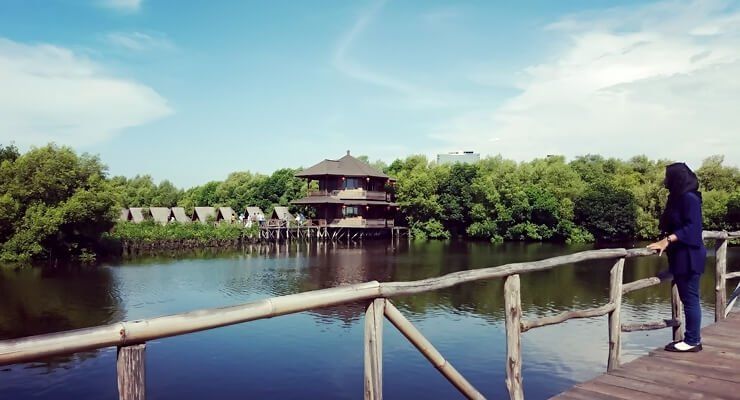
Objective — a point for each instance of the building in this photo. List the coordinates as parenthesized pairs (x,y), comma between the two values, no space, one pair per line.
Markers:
(281,213)
(203,214)
(351,194)
(160,215)
(225,214)
(178,214)
(464,157)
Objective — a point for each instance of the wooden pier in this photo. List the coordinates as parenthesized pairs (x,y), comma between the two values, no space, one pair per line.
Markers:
(322,230)
(713,373)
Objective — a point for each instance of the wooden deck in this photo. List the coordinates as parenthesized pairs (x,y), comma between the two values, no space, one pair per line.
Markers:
(713,373)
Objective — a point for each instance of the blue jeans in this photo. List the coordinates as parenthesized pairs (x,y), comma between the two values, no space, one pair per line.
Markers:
(688,290)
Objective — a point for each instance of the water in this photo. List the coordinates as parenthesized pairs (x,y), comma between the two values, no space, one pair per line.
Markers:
(319,354)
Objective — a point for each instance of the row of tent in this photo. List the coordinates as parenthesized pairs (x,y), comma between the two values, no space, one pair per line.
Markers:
(164,215)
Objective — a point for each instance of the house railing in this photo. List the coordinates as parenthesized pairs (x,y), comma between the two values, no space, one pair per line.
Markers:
(353,194)
(131,336)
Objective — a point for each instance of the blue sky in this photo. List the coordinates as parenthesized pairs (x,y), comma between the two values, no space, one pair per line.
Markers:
(190,91)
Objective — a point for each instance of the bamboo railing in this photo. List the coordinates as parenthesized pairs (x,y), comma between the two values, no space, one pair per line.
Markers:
(131,336)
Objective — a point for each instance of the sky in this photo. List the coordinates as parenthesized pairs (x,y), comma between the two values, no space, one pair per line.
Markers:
(190,91)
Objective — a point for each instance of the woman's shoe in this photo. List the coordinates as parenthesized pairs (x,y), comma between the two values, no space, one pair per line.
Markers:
(682,347)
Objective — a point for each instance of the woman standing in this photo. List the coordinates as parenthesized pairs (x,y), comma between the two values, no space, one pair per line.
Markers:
(681,225)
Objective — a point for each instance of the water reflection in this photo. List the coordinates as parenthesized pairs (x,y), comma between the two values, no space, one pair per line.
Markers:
(319,353)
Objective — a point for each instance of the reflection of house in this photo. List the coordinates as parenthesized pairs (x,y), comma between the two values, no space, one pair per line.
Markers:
(351,194)
(201,214)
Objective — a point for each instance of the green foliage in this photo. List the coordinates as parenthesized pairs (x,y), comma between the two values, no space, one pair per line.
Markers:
(150,232)
(431,229)
(608,212)
(714,176)
(244,189)
(141,191)
(714,209)
(9,153)
(54,204)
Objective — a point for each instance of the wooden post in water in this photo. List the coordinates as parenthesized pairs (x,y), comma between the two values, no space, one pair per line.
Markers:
(615,325)
(131,372)
(513,313)
(720,282)
(676,313)
(374,349)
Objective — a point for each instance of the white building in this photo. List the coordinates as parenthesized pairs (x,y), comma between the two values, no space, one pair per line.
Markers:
(465,157)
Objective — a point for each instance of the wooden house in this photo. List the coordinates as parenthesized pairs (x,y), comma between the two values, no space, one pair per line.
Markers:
(178,214)
(202,214)
(225,214)
(351,194)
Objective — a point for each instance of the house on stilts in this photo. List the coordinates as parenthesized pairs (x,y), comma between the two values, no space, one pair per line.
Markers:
(353,200)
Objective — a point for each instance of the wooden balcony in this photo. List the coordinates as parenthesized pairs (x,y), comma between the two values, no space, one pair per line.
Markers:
(358,222)
(352,194)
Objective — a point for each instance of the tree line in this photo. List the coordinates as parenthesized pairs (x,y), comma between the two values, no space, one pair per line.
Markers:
(55,203)
(589,198)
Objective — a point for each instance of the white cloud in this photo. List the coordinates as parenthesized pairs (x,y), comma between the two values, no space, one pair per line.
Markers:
(49,93)
(661,79)
(413,95)
(138,41)
(122,5)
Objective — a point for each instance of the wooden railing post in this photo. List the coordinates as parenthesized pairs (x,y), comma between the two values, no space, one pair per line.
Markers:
(676,313)
(720,282)
(513,314)
(374,349)
(131,372)
(615,325)
(427,349)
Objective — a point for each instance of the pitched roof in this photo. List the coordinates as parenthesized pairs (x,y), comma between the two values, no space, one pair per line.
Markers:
(125,214)
(282,213)
(345,166)
(225,213)
(137,214)
(179,214)
(202,213)
(254,211)
(160,214)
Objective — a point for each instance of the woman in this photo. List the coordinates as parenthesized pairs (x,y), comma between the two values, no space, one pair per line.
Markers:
(681,225)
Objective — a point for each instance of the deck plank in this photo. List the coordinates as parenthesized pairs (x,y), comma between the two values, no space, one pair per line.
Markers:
(711,374)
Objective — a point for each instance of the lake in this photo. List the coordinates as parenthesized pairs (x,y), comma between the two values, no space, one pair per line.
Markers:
(319,354)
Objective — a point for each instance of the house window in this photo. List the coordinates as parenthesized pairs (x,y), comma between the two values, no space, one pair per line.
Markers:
(351,211)
(352,183)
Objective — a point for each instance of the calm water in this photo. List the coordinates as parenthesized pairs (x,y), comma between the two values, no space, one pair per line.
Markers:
(319,354)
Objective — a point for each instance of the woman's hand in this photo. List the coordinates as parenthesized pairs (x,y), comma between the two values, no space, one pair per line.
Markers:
(660,245)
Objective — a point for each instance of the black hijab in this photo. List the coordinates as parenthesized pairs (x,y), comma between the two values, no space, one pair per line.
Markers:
(679,179)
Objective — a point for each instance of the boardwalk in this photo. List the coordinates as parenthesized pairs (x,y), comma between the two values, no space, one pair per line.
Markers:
(713,373)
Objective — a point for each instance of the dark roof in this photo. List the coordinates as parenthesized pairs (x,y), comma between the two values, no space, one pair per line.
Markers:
(345,166)
(318,200)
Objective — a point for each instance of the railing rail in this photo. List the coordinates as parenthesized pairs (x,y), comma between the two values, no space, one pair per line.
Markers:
(130,336)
